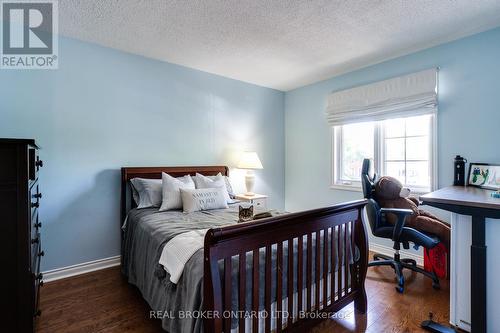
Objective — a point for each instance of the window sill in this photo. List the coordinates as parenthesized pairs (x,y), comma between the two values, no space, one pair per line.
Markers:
(344,187)
(354,188)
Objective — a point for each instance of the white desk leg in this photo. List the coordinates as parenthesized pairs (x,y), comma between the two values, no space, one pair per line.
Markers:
(460,277)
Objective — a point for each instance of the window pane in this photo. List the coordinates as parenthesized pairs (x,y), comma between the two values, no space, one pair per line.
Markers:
(395,149)
(418,125)
(357,144)
(396,170)
(417,148)
(407,150)
(417,174)
(394,128)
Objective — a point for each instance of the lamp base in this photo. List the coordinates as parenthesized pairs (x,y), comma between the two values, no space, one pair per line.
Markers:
(249,182)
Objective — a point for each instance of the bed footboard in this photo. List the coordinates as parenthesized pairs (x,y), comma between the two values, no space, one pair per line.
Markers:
(311,263)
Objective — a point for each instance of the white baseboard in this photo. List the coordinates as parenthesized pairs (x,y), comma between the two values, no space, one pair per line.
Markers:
(389,251)
(86,267)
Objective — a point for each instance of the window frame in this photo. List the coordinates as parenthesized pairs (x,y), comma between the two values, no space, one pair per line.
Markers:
(378,153)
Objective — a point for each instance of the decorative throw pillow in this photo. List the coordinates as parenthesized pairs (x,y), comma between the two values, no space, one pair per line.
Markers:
(216,182)
(146,192)
(229,187)
(171,190)
(203,199)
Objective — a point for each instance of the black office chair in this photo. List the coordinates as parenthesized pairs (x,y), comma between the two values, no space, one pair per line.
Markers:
(398,232)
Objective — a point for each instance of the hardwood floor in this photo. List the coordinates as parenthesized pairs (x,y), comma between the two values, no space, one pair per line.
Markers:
(103,301)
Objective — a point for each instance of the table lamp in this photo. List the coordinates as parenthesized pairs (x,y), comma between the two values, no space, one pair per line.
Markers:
(250,161)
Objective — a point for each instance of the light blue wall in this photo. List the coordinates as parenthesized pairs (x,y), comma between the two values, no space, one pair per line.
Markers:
(104,109)
(468,121)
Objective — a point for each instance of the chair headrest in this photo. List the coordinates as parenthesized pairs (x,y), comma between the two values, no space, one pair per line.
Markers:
(365,169)
(367,180)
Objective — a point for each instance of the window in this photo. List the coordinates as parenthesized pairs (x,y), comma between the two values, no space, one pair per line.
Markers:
(356,141)
(402,148)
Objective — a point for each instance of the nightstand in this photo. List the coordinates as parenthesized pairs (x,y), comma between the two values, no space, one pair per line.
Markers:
(258,200)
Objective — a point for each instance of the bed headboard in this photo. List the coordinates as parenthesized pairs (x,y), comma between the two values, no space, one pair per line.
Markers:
(155,173)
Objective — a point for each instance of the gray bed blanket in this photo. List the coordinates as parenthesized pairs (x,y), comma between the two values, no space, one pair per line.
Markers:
(145,235)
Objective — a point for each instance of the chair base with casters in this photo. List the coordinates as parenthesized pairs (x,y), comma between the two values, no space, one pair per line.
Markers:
(398,264)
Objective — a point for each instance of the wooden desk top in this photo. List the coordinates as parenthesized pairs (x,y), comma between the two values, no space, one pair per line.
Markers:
(468,196)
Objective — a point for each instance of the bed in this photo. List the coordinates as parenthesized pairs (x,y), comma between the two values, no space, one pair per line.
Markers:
(240,280)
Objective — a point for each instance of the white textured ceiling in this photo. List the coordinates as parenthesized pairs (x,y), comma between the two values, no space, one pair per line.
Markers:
(282,44)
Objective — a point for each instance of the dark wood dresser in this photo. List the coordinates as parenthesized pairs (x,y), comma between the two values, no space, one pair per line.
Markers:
(20,241)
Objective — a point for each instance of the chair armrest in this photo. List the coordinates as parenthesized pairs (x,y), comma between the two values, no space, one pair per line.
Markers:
(401,215)
(397,211)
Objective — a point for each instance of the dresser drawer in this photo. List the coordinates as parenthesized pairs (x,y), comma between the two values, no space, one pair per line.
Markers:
(258,200)
(36,227)
(261,203)
(37,276)
(34,222)
(37,283)
(34,163)
(35,257)
(36,253)
(35,196)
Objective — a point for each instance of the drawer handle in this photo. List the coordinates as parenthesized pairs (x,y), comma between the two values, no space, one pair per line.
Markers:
(39,163)
(35,204)
(38,225)
(38,195)
(38,313)
(39,276)
(41,254)
(34,241)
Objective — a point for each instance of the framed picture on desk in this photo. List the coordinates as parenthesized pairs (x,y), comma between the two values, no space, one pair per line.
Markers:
(484,175)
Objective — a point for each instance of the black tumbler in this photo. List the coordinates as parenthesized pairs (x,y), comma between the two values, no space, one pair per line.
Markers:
(459,171)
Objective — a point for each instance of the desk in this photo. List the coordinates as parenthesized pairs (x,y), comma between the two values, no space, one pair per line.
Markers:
(479,204)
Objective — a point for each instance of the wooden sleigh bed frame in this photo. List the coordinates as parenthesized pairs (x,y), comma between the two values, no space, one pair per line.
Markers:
(222,244)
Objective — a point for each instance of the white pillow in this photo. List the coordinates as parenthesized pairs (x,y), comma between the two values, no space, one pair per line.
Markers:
(146,192)
(203,199)
(171,190)
(216,182)
(229,187)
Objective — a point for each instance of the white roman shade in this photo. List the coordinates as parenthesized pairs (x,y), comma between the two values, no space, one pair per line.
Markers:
(410,95)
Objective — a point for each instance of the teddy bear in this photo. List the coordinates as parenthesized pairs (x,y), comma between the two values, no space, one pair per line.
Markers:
(390,193)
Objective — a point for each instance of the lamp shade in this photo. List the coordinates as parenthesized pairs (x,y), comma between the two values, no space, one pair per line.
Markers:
(249,160)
